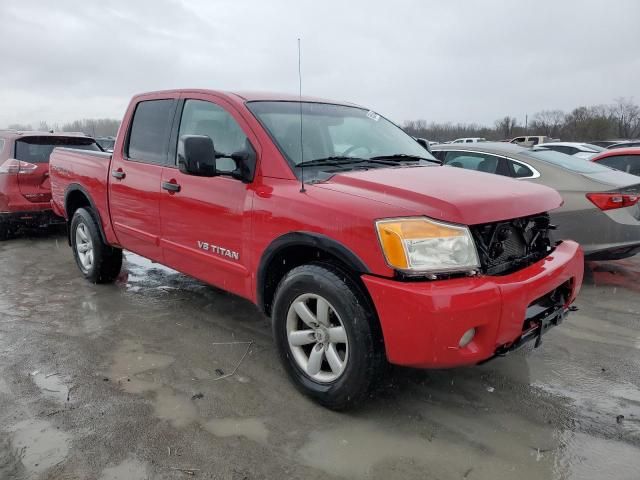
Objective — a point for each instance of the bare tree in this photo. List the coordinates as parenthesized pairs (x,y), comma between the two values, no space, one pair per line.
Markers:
(627,117)
(548,122)
(506,126)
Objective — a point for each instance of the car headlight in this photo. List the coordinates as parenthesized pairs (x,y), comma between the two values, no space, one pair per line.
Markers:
(422,245)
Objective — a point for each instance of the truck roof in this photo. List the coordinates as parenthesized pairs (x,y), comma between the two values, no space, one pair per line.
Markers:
(249,96)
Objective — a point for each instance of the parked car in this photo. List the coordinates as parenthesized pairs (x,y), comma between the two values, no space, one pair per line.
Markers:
(468,140)
(606,143)
(25,194)
(531,140)
(106,143)
(600,209)
(352,237)
(624,159)
(580,150)
(625,144)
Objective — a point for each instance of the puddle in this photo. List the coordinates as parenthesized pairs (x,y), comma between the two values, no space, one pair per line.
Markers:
(365,450)
(582,457)
(251,428)
(130,469)
(177,408)
(51,385)
(130,360)
(39,445)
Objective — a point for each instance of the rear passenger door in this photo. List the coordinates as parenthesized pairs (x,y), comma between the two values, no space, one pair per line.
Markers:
(136,177)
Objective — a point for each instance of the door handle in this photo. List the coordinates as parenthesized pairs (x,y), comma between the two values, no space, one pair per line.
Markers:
(170,187)
(119,174)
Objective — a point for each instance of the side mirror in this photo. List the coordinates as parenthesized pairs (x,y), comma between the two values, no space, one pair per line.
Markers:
(245,163)
(197,156)
(424,143)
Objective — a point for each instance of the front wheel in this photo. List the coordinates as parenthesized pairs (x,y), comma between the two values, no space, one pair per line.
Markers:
(326,337)
(98,262)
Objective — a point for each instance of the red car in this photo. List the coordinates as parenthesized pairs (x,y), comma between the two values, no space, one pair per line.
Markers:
(342,228)
(625,159)
(25,194)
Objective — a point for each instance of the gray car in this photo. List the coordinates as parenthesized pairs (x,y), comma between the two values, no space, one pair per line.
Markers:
(601,209)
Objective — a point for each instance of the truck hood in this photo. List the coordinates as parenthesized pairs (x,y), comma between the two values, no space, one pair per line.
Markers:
(447,193)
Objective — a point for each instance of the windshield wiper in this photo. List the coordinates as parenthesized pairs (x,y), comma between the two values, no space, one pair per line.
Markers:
(341,160)
(404,156)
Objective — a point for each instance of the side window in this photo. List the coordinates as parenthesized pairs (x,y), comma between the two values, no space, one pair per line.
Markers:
(200,117)
(150,129)
(1,144)
(520,170)
(520,139)
(626,163)
(534,140)
(473,161)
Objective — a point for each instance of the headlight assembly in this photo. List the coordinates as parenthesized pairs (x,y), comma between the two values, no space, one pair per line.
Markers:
(421,245)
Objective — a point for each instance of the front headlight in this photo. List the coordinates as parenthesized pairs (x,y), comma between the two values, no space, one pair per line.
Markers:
(422,245)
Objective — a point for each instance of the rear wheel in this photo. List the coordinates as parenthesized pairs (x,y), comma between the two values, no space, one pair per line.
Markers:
(326,336)
(98,262)
(7,232)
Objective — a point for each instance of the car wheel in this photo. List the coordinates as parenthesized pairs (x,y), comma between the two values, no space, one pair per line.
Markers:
(98,262)
(7,232)
(326,335)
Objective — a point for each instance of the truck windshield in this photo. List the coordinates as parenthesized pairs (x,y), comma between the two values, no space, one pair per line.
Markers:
(330,131)
(38,149)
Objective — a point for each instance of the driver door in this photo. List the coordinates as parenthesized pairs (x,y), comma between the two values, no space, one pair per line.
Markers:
(203,222)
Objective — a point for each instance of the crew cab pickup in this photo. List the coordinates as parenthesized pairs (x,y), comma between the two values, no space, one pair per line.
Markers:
(342,228)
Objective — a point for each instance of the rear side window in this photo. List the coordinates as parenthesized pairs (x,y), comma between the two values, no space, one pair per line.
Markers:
(481,162)
(38,149)
(520,170)
(626,163)
(150,129)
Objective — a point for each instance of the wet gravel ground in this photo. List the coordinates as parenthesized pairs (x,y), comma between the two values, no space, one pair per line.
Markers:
(131,381)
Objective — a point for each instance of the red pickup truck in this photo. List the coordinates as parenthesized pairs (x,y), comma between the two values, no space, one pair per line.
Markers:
(342,228)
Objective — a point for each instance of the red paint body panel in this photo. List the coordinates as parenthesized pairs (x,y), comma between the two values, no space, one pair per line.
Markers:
(616,152)
(172,228)
(423,322)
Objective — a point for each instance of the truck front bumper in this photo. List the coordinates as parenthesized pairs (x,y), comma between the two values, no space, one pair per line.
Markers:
(424,322)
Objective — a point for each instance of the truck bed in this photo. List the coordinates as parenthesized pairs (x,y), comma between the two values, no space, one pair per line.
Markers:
(79,169)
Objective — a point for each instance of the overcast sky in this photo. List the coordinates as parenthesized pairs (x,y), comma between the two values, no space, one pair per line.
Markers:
(467,61)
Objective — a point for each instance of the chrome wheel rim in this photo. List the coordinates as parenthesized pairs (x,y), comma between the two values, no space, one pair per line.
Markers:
(317,338)
(84,247)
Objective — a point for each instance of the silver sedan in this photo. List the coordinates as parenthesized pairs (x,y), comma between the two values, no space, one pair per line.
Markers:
(601,209)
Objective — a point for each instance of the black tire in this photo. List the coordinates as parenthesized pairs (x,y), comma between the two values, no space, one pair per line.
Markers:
(366,361)
(7,232)
(107,260)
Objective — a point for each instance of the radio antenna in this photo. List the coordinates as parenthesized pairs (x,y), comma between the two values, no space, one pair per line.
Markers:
(302,190)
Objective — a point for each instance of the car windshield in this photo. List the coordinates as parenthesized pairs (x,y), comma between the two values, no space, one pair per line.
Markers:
(38,149)
(331,131)
(569,162)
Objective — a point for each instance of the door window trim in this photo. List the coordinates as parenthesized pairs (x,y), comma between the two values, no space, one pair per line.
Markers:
(536,173)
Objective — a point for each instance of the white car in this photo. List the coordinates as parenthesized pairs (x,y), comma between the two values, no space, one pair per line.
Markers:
(577,149)
(468,140)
